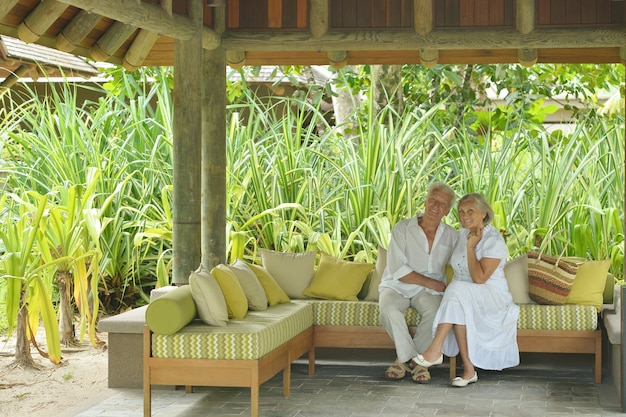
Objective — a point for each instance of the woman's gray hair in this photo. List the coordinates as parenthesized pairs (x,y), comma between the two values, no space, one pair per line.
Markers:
(444,188)
(481,203)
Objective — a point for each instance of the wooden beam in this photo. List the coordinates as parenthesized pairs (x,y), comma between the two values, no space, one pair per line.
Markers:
(318,17)
(622,54)
(597,37)
(111,41)
(139,50)
(76,30)
(235,58)
(39,20)
(429,57)
(338,59)
(527,56)
(423,16)
(15,76)
(6,6)
(50,42)
(147,16)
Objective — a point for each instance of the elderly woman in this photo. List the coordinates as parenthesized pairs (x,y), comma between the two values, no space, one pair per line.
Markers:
(477,305)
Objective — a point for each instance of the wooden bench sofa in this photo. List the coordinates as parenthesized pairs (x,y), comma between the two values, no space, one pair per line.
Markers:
(189,362)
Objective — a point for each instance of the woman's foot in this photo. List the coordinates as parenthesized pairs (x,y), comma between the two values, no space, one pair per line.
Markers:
(421,361)
(461,382)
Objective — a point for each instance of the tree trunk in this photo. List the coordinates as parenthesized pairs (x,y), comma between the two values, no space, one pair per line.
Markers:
(387,83)
(66,322)
(22,345)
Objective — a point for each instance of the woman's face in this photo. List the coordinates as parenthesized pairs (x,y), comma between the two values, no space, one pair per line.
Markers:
(470,216)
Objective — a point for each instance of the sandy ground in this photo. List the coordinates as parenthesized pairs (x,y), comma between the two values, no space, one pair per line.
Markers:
(56,389)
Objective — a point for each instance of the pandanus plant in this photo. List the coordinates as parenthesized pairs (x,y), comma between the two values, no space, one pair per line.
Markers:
(28,279)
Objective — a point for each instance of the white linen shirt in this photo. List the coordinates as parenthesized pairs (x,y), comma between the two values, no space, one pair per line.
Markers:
(408,251)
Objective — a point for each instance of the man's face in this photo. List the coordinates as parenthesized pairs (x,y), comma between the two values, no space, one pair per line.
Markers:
(437,205)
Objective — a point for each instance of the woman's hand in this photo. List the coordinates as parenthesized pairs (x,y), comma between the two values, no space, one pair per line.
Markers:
(474,237)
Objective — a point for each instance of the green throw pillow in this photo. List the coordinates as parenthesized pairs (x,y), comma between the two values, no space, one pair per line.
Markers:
(171,311)
(275,295)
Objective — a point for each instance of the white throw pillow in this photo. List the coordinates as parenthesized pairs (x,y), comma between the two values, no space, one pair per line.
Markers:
(208,297)
(292,271)
(516,273)
(257,300)
(377,275)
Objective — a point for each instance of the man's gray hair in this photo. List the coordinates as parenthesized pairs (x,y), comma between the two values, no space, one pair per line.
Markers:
(444,188)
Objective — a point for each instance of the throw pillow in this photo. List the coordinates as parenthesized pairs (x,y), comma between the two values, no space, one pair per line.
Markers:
(377,275)
(172,311)
(550,279)
(516,273)
(208,297)
(236,302)
(588,288)
(337,279)
(257,300)
(292,271)
(273,292)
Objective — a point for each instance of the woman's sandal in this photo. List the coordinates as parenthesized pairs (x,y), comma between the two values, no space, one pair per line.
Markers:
(397,371)
(420,375)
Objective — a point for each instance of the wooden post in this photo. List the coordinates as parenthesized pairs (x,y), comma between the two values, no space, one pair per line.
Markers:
(318,17)
(214,158)
(187,95)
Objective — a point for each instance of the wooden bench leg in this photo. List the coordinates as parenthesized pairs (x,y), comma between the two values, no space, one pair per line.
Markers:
(452,367)
(312,361)
(254,400)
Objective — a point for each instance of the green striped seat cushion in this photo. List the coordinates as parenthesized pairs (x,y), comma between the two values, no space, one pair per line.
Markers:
(532,316)
(561,317)
(256,335)
(351,313)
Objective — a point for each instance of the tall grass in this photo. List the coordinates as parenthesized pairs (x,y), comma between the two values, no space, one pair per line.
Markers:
(295,182)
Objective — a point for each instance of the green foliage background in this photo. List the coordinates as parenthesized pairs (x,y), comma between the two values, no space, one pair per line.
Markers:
(296,182)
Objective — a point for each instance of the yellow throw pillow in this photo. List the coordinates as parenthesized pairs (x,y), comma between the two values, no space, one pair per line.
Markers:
(236,302)
(588,288)
(275,295)
(336,279)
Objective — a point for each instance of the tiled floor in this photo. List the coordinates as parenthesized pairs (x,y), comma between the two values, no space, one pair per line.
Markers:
(544,385)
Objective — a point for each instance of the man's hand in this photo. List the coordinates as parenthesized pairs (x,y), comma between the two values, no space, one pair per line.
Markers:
(436,285)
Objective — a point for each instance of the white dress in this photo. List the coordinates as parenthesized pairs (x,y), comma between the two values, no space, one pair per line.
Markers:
(487,310)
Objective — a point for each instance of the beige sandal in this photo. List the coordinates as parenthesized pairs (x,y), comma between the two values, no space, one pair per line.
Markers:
(397,371)
(420,375)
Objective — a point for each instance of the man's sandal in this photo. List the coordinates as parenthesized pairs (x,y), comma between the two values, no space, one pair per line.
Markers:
(420,375)
(398,371)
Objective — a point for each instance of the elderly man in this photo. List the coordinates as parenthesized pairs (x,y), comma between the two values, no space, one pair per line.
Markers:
(418,252)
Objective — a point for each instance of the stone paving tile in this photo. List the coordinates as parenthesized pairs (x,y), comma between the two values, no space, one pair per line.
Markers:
(346,390)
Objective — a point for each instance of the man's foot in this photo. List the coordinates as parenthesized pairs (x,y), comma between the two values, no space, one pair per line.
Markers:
(397,371)
(420,375)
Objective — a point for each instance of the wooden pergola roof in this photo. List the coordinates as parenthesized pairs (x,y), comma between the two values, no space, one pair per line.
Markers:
(337,32)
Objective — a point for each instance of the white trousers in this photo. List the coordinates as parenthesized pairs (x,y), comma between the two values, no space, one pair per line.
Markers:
(392,306)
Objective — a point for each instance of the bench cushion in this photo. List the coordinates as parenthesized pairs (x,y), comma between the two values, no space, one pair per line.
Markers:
(352,313)
(564,317)
(251,338)
(532,316)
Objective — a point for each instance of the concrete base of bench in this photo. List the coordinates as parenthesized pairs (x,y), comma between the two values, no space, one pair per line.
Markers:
(613,326)
(125,347)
